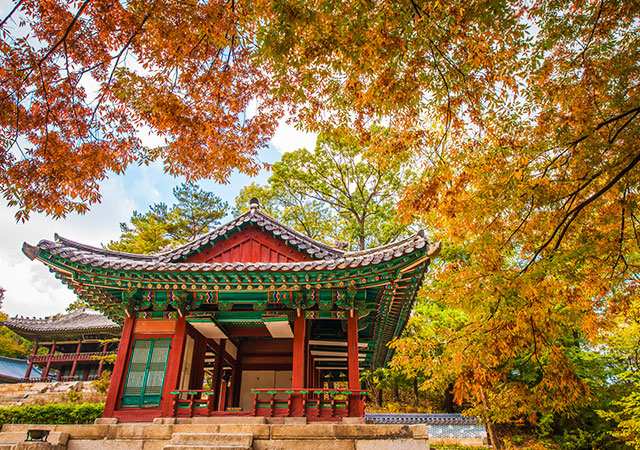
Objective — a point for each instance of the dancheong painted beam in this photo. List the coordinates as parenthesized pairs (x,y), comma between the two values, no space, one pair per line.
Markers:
(253,318)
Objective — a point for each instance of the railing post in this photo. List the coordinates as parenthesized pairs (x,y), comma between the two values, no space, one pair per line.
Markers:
(255,403)
(272,404)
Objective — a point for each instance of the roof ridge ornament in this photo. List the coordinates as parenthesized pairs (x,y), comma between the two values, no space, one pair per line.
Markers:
(254,204)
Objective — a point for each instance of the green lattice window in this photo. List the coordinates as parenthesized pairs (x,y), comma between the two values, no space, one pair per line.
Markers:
(145,377)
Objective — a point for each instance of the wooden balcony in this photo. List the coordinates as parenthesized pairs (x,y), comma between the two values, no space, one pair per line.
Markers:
(318,404)
(52,378)
(83,356)
(198,403)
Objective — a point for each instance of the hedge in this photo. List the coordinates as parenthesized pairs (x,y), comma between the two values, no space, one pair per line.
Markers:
(54,413)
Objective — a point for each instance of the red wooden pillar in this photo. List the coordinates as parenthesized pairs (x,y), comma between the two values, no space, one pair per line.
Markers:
(297,378)
(45,374)
(355,404)
(119,368)
(174,366)
(104,351)
(216,384)
(197,366)
(33,354)
(75,359)
(223,395)
(234,383)
(309,369)
(237,381)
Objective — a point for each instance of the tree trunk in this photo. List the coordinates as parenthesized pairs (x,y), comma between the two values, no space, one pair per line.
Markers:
(362,242)
(379,397)
(491,429)
(448,399)
(416,398)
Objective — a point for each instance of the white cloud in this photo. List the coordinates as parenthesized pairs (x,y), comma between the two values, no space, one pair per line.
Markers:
(287,138)
(31,290)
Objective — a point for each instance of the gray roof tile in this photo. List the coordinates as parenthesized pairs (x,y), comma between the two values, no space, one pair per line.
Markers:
(328,257)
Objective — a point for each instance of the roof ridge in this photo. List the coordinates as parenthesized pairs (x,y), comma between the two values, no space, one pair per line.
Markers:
(189,247)
(392,244)
(101,250)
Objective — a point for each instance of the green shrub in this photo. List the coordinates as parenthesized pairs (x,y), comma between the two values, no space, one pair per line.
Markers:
(74,397)
(102,383)
(51,413)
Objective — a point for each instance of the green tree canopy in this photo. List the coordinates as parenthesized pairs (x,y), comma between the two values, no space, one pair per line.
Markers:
(337,191)
(195,213)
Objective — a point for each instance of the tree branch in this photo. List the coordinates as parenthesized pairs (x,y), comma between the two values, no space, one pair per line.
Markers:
(571,215)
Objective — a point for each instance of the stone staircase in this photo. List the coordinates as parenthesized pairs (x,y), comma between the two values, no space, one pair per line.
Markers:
(210,441)
(28,393)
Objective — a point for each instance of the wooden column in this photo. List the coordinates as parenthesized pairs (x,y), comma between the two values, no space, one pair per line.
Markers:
(30,366)
(234,383)
(355,408)
(309,368)
(119,369)
(223,395)
(75,360)
(45,374)
(174,366)
(297,378)
(216,381)
(237,380)
(197,365)
(104,351)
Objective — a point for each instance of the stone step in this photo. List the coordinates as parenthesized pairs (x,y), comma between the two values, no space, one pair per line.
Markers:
(206,447)
(228,439)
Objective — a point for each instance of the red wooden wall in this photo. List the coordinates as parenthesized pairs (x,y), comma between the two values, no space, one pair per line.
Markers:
(251,244)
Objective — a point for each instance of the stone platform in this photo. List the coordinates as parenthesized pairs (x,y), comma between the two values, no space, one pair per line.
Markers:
(220,434)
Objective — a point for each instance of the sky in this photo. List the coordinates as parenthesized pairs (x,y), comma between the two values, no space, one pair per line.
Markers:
(31,290)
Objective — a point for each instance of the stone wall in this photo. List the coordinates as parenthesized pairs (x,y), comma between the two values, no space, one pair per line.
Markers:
(455,434)
(157,436)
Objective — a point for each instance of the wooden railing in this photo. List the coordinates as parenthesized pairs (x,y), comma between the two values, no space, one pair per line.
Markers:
(48,379)
(84,356)
(52,378)
(192,402)
(317,404)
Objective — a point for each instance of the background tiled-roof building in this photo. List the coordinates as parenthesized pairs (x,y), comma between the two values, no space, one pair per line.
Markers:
(76,345)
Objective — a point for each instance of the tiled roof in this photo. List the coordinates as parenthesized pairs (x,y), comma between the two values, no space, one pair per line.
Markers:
(16,369)
(257,217)
(253,216)
(84,319)
(328,258)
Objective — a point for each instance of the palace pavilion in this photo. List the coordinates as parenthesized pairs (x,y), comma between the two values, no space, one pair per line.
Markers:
(251,319)
(78,345)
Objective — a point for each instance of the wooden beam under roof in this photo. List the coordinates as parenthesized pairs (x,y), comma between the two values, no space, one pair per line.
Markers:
(335,343)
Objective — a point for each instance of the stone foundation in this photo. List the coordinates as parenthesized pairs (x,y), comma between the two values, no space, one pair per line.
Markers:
(264,436)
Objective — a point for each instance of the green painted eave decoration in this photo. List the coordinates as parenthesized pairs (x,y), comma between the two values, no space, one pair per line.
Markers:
(370,290)
(381,273)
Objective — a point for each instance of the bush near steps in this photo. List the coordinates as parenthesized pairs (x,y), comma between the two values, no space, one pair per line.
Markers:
(63,414)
